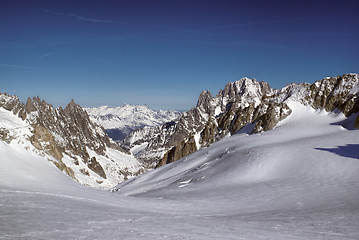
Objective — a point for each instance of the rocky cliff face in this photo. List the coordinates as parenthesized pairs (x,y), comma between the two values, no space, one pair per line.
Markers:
(244,103)
(151,143)
(339,93)
(356,124)
(200,123)
(82,149)
(71,141)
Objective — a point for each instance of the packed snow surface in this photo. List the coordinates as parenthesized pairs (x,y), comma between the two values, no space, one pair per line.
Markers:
(298,181)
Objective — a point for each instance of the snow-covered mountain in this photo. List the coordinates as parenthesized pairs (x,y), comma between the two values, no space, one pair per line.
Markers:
(242,105)
(82,149)
(297,181)
(120,121)
(66,137)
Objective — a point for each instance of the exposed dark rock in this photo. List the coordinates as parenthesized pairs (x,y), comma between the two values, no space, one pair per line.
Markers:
(335,93)
(84,171)
(209,133)
(241,103)
(30,105)
(183,149)
(167,158)
(235,119)
(72,127)
(42,139)
(62,167)
(95,166)
(5,135)
(356,124)
(208,119)
(272,116)
(204,100)
(166,136)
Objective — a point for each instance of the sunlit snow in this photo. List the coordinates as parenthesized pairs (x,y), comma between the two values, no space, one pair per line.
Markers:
(298,181)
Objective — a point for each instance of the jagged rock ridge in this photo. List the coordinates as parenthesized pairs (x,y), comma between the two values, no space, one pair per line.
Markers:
(244,104)
(71,140)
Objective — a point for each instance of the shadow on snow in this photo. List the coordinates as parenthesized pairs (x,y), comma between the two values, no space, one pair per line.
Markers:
(349,150)
(347,123)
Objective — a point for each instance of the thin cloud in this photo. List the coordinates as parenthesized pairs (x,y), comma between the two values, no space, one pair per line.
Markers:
(46,55)
(78,17)
(255,23)
(21,67)
(229,26)
(257,44)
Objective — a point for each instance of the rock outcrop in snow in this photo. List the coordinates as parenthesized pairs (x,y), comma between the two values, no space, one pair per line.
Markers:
(356,124)
(83,150)
(120,121)
(298,181)
(246,105)
(69,139)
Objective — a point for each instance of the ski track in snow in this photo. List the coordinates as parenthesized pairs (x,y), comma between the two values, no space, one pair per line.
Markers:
(294,182)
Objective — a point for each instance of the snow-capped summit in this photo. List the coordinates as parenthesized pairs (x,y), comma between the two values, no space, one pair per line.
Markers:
(66,137)
(243,103)
(120,121)
(81,148)
(298,181)
(241,92)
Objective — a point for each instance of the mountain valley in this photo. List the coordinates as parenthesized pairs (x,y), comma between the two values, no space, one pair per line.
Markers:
(121,121)
(251,162)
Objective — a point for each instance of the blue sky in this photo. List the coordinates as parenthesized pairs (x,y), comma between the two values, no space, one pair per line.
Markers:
(164,53)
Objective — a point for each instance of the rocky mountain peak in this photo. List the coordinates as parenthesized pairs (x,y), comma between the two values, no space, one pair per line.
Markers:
(35,104)
(71,105)
(75,111)
(204,99)
(341,93)
(245,102)
(10,103)
(239,87)
(265,88)
(243,92)
(67,136)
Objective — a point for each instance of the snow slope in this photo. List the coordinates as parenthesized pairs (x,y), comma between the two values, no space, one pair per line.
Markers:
(117,165)
(298,181)
(238,104)
(120,121)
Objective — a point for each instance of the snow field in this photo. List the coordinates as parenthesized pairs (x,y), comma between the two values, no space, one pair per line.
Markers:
(298,181)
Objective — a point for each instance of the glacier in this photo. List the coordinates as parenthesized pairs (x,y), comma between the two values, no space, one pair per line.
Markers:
(292,182)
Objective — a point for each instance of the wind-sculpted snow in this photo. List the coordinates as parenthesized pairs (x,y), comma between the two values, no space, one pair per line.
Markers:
(120,121)
(292,182)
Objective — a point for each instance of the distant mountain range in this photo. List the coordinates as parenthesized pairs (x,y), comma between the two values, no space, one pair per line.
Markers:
(120,121)
(75,140)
